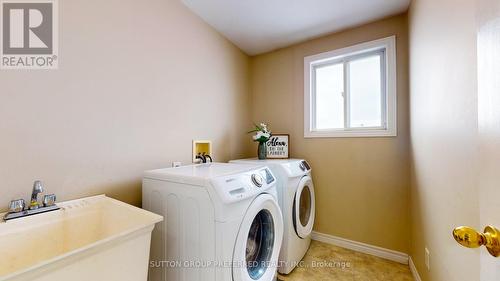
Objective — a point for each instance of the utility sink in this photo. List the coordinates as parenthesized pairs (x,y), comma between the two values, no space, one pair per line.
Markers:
(94,238)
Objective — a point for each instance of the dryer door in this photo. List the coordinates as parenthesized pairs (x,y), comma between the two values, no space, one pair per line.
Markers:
(303,207)
(258,243)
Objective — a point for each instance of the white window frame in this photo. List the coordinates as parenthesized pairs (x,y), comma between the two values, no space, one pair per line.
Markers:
(385,46)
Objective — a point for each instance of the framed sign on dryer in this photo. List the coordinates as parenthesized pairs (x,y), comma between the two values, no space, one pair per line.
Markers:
(278,146)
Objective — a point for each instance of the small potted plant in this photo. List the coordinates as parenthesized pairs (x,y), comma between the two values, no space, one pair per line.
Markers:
(262,135)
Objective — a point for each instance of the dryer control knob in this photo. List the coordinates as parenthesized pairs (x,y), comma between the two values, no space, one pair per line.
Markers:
(257,180)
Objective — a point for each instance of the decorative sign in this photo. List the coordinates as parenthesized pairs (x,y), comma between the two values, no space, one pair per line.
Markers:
(278,147)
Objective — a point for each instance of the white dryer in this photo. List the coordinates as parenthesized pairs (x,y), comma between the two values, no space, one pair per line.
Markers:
(297,202)
(222,223)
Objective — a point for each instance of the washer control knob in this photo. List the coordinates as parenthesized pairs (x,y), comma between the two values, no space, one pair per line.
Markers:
(257,180)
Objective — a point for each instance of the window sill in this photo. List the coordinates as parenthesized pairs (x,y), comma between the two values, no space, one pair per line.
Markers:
(351,134)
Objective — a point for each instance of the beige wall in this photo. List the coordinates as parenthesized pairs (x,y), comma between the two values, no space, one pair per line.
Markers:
(136,83)
(443,136)
(488,125)
(362,184)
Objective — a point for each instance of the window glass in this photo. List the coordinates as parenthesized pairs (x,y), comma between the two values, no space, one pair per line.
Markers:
(365,92)
(329,97)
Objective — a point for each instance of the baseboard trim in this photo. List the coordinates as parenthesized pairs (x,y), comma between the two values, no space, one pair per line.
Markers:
(361,247)
(414,270)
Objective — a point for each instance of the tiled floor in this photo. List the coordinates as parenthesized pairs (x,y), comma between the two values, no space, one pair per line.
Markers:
(324,262)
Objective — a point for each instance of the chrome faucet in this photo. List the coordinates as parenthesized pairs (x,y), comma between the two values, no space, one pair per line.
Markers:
(17,208)
(37,189)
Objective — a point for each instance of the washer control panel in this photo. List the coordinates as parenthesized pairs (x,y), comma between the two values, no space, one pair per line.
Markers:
(234,188)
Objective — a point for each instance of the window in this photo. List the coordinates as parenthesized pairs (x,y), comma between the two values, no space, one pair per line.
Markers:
(351,92)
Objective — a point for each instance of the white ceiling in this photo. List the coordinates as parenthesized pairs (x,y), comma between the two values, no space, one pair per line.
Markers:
(259,26)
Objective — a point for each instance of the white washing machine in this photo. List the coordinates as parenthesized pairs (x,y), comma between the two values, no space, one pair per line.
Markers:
(222,223)
(297,202)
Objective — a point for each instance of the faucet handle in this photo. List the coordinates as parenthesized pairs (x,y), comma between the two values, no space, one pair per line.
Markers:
(37,187)
(49,200)
(17,206)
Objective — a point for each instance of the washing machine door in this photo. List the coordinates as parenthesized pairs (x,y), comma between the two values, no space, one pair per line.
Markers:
(303,207)
(259,239)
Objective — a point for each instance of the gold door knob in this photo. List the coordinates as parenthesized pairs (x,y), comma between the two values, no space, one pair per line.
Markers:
(470,238)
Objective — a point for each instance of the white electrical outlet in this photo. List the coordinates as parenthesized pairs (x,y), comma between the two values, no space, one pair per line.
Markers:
(427,259)
(176,164)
